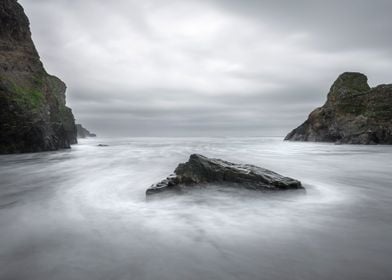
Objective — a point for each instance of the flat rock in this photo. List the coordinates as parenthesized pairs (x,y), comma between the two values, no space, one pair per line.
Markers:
(200,170)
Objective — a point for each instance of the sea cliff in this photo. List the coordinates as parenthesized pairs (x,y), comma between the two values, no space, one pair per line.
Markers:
(33,112)
(354,113)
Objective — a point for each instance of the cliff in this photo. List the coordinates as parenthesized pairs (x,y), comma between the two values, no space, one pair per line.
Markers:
(354,113)
(33,113)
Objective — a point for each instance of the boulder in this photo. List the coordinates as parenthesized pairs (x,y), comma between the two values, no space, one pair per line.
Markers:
(200,170)
(103,145)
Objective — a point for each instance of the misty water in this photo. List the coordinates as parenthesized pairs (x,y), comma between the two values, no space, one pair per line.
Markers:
(82,213)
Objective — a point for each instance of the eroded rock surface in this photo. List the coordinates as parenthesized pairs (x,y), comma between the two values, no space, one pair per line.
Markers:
(200,170)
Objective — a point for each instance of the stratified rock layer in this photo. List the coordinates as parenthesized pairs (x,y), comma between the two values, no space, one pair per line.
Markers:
(200,170)
(354,113)
(33,113)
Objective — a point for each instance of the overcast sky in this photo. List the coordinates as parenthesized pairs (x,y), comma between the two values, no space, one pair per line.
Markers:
(207,67)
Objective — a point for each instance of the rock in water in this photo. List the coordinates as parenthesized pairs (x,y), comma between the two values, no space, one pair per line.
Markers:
(202,170)
(354,113)
(83,132)
(33,114)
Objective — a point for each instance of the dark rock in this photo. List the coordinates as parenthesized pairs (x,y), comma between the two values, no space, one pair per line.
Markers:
(33,113)
(83,132)
(102,145)
(353,114)
(200,170)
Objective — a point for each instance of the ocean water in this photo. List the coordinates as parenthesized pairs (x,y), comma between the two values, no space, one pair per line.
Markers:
(82,213)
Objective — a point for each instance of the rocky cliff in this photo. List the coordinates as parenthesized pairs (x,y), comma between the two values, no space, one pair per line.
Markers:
(354,113)
(33,113)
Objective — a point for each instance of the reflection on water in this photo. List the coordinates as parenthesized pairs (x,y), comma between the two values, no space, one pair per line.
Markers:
(82,213)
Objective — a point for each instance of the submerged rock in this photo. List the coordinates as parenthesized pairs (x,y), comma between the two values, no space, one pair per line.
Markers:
(354,114)
(200,170)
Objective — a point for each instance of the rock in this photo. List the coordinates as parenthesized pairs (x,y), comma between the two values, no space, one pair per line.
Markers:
(354,113)
(102,145)
(33,113)
(83,132)
(200,170)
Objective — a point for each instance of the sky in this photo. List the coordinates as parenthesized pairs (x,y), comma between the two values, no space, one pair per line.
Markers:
(207,67)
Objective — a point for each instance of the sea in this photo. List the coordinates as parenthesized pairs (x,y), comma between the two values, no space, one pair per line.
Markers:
(82,213)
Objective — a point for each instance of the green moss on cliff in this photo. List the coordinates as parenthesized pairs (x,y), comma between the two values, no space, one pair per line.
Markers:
(32,98)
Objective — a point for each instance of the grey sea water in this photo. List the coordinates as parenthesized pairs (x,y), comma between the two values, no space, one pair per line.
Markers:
(82,213)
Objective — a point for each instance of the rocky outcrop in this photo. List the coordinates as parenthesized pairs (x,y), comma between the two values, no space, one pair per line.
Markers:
(354,113)
(33,113)
(83,132)
(200,170)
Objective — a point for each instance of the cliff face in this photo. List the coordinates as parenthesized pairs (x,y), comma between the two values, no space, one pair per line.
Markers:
(354,113)
(32,103)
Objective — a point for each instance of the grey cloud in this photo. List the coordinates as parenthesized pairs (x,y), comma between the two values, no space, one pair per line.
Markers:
(206,68)
(333,25)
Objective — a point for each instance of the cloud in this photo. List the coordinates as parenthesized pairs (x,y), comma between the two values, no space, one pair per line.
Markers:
(208,67)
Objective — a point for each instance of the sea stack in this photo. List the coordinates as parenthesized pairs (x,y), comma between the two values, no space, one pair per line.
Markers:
(354,114)
(33,113)
(83,132)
